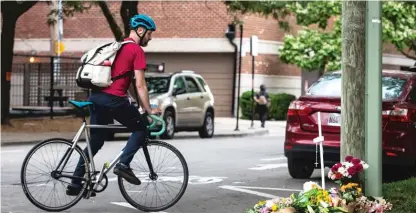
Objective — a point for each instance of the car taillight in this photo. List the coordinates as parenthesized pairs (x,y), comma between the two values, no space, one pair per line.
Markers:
(298,108)
(397,114)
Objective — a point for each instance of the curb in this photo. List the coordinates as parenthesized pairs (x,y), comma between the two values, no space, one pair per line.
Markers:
(221,135)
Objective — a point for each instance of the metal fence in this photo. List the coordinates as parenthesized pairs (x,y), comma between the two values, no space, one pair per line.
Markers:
(42,82)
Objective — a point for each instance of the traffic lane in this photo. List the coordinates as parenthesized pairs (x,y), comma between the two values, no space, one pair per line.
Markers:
(223,162)
(202,155)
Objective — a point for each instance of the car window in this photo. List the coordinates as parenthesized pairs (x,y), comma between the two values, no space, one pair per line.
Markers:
(157,85)
(192,85)
(202,82)
(179,84)
(329,85)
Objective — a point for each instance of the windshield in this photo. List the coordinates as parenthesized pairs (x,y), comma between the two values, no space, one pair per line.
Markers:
(157,85)
(330,86)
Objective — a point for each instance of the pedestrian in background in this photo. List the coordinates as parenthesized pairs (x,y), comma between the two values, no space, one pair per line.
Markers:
(262,104)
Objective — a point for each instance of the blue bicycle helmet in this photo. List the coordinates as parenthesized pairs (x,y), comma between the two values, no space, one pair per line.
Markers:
(141,20)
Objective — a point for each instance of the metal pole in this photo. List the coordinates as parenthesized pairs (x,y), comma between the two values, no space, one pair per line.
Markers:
(239,78)
(252,91)
(60,33)
(51,92)
(373,114)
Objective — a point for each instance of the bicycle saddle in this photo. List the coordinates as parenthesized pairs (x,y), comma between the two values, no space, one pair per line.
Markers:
(80,104)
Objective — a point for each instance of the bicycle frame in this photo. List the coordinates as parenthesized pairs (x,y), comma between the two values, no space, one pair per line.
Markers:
(107,167)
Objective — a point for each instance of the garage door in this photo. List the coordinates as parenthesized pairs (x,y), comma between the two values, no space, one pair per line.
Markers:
(216,68)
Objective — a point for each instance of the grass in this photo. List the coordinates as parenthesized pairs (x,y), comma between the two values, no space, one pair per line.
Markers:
(402,194)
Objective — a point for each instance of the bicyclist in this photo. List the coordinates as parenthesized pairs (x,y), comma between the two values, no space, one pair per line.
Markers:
(112,102)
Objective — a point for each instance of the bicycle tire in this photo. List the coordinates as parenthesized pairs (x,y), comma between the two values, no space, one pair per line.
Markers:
(178,196)
(24,182)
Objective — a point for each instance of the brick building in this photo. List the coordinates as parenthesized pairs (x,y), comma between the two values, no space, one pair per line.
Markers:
(190,36)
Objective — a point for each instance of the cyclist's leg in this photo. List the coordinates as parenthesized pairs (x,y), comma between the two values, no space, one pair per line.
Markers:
(129,116)
(99,116)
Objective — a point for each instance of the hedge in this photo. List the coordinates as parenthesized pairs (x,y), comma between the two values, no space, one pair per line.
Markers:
(277,110)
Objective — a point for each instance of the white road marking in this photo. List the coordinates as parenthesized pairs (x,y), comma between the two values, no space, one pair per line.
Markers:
(11,151)
(247,189)
(269,188)
(193,180)
(268,166)
(124,204)
(237,182)
(238,189)
(273,159)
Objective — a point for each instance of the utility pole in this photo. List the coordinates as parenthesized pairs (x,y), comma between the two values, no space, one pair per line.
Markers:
(373,100)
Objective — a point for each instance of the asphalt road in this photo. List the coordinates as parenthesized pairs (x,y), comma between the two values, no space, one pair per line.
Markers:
(227,176)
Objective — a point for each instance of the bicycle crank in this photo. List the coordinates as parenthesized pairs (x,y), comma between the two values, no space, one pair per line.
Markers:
(102,185)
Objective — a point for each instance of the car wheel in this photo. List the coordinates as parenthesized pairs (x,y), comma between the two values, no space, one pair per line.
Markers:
(207,130)
(299,168)
(170,125)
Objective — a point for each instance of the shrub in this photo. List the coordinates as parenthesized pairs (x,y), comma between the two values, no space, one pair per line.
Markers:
(278,106)
(245,103)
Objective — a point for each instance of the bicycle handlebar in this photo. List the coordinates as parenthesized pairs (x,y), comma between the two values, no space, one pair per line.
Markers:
(156,119)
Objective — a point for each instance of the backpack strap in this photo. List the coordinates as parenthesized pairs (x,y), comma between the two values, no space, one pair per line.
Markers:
(122,75)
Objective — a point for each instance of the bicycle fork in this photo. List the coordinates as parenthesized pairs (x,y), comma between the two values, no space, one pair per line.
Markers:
(152,175)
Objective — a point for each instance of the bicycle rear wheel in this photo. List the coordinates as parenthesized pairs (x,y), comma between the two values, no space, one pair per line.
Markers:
(165,159)
(41,162)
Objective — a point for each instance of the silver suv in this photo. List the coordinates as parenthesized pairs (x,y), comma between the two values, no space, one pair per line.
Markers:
(186,102)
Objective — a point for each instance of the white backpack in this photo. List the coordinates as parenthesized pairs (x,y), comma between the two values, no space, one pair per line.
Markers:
(95,70)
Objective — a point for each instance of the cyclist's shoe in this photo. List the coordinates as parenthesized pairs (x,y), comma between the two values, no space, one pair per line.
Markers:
(74,190)
(126,173)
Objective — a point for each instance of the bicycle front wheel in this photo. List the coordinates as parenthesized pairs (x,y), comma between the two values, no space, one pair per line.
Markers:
(164,191)
(39,177)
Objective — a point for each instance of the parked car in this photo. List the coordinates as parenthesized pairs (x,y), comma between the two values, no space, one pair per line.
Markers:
(186,101)
(398,122)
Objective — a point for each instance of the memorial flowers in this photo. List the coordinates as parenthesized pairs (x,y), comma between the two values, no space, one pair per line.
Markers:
(347,198)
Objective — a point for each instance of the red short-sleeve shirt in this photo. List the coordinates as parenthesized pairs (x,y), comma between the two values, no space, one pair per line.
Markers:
(129,58)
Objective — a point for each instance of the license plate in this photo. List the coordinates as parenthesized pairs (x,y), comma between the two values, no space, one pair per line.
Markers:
(334,119)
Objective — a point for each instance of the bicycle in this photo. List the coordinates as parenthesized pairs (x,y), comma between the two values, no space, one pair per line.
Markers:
(99,184)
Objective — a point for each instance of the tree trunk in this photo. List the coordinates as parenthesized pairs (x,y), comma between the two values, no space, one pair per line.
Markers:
(111,21)
(11,11)
(353,79)
(7,43)
(127,10)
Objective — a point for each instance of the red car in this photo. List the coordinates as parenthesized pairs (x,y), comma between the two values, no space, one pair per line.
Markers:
(398,122)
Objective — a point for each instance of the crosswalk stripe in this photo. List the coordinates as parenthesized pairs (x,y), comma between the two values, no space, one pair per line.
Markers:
(268,166)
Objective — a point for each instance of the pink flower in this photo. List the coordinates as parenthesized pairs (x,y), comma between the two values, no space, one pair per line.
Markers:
(264,210)
(359,167)
(336,167)
(352,171)
(349,158)
(355,161)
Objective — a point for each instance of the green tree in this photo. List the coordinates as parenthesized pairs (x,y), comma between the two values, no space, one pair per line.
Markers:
(11,11)
(320,49)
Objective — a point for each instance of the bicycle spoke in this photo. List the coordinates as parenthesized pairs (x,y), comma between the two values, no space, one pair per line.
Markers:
(50,194)
(172,177)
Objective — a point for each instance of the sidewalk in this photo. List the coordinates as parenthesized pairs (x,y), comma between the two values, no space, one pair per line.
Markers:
(224,127)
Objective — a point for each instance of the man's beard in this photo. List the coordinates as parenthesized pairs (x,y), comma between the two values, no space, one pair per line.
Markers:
(144,43)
